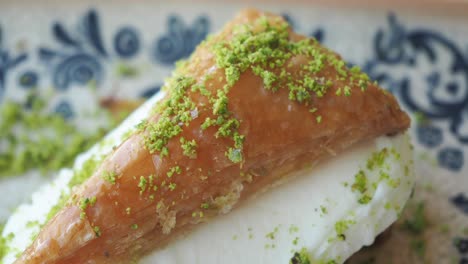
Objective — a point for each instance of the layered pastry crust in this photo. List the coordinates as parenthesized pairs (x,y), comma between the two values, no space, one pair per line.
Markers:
(222,134)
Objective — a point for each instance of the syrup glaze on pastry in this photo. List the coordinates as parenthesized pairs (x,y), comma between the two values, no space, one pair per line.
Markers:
(253,104)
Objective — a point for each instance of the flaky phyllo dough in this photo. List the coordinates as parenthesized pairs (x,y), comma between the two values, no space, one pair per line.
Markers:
(252,104)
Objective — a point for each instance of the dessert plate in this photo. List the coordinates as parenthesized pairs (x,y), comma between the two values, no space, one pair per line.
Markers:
(77,55)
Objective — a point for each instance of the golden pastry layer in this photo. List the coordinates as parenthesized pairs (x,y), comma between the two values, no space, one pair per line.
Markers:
(252,104)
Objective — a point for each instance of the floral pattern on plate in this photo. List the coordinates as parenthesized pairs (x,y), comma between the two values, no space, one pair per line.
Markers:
(426,67)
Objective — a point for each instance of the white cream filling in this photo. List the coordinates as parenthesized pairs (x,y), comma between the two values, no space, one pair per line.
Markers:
(303,213)
(299,214)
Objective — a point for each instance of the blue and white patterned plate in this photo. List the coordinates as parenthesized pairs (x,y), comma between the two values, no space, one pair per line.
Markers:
(73,51)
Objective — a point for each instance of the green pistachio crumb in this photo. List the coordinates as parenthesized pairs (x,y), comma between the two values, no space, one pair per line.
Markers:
(23,151)
(234,154)
(175,112)
(189,147)
(207,123)
(360,182)
(319,119)
(97,231)
(341,227)
(32,224)
(365,199)
(347,91)
(4,242)
(301,257)
(388,206)
(228,128)
(134,226)
(273,233)
(338,91)
(85,203)
(377,160)
(205,205)
(220,103)
(295,241)
(142,184)
(293,229)
(109,176)
(172,186)
(323,209)
(174,170)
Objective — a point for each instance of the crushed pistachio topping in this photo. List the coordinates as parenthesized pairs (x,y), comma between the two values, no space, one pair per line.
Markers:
(323,209)
(97,231)
(295,241)
(173,170)
(189,147)
(266,50)
(293,229)
(234,154)
(318,119)
(85,203)
(172,186)
(80,176)
(377,159)
(109,176)
(4,243)
(347,90)
(273,233)
(174,113)
(250,231)
(22,150)
(360,185)
(142,184)
(301,257)
(134,226)
(341,227)
(32,224)
(377,163)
